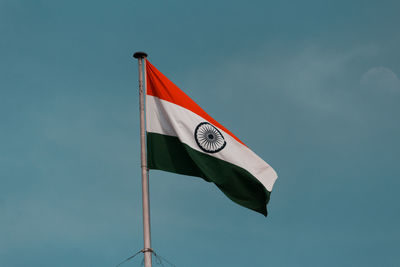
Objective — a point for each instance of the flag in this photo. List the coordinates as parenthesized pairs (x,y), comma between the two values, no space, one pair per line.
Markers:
(182,138)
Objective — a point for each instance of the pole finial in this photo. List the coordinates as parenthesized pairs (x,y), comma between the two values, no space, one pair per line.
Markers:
(139,54)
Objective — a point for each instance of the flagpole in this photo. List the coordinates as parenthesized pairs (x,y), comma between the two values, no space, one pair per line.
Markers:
(145,181)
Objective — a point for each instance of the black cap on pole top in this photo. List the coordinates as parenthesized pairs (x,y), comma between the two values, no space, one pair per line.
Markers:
(139,54)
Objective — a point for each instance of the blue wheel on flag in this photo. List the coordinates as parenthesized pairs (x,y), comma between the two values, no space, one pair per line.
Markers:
(209,138)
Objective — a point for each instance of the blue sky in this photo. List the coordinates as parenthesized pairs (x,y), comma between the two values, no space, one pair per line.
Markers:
(311,86)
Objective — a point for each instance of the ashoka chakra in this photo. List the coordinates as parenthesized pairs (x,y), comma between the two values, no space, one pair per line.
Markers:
(209,138)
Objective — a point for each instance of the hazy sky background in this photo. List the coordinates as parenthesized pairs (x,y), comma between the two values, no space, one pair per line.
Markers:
(311,86)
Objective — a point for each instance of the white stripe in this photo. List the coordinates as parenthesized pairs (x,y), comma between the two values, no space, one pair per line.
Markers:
(166,118)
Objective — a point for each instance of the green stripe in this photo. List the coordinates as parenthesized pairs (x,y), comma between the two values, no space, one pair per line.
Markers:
(167,153)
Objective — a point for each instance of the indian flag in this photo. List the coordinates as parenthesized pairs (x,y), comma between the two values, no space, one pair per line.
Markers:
(182,138)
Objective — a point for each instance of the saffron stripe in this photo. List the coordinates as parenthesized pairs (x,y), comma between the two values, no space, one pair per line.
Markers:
(157,84)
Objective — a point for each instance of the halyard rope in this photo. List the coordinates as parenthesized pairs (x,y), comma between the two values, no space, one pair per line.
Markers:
(159,259)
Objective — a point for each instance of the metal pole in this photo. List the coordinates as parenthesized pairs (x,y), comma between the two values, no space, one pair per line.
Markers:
(145,181)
